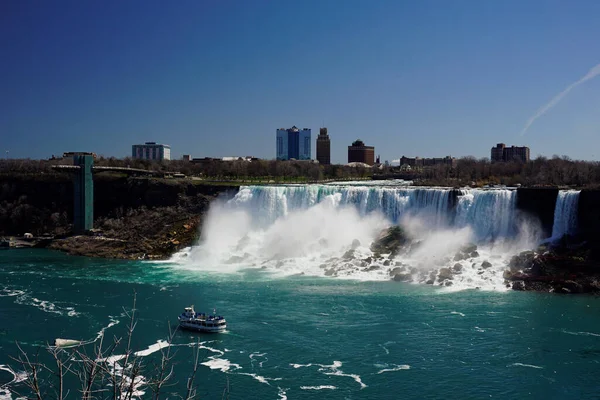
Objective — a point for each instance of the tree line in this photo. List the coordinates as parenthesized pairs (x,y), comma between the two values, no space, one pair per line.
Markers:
(261,170)
(541,171)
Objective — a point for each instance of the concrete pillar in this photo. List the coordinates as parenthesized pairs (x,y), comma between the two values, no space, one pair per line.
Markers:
(84,194)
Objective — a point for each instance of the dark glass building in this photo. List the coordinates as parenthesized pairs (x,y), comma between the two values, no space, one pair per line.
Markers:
(323,147)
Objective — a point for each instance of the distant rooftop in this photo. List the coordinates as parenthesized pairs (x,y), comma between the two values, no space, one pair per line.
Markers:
(153,144)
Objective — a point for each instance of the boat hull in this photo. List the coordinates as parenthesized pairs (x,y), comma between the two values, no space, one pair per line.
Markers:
(198,328)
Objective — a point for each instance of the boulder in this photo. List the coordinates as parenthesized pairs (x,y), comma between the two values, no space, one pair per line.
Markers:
(390,240)
(572,287)
(429,282)
(486,264)
(445,273)
(522,261)
(402,277)
(355,244)
(518,285)
(460,256)
(457,267)
(469,248)
(474,254)
(330,272)
(396,270)
(386,263)
(349,255)
(373,268)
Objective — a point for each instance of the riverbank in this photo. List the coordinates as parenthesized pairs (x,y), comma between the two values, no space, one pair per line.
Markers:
(134,218)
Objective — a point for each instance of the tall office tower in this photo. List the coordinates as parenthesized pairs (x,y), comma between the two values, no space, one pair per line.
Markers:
(323,147)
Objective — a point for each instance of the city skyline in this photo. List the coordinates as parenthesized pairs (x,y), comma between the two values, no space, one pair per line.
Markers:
(409,78)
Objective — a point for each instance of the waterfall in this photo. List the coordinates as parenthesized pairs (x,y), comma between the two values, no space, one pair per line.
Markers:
(269,203)
(565,213)
(490,213)
(328,230)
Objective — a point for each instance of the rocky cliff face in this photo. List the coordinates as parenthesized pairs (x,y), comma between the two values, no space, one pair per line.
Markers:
(540,204)
(44,203)
(134,218)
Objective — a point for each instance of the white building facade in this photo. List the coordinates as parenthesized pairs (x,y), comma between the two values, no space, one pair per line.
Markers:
(151,151)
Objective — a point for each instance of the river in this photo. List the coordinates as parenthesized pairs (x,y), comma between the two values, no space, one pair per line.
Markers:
(296,334)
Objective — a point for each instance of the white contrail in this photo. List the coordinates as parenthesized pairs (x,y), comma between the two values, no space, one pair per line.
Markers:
(595,71)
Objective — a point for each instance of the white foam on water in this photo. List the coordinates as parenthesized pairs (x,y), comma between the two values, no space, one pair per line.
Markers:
(160,344)
(113,322)
(478,329)
(394,367)
(24,298)
(282,393)
(5,392)
(322,387)
(7,292)
(525,365)
(259,378)
(259,355)
(332,370)
(457,313)
(387,351)
(581,333)
(221,364)
(113,362)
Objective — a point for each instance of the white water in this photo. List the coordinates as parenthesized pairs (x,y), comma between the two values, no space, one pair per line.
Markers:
(565,213)
(307,229)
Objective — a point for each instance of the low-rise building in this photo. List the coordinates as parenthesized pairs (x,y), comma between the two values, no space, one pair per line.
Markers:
(151,151)
(78,153)
(358,152)
(427,162)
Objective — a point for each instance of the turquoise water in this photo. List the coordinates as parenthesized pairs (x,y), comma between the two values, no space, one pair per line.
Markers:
(313,338)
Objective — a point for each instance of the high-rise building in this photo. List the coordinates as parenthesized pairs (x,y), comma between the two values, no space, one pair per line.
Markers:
(358,152)
(151,151)
(293,143)
(323,147)
(502,153)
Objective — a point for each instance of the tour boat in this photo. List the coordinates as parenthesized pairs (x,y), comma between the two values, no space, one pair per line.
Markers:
(190,319)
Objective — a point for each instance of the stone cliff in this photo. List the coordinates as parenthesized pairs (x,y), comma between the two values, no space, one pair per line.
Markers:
(134,217)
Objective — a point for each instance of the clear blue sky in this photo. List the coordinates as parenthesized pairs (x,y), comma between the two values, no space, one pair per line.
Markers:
(217,78)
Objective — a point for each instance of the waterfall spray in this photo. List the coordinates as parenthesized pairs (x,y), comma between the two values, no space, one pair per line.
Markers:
(459,238)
